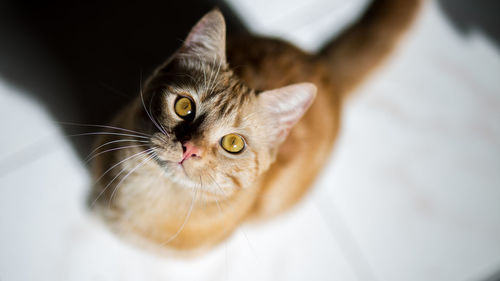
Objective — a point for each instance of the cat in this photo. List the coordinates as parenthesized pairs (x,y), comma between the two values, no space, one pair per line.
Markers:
(225,132)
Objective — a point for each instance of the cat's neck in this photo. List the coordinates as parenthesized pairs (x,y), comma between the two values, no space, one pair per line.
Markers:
(176,216)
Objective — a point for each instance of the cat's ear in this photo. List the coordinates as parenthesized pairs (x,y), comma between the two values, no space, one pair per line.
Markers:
(283,107)
(207,39)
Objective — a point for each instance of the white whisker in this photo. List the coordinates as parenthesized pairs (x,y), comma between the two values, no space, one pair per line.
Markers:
(115,141)
(163,130)
(217,184)
(148,158)
(185,220)
(210,80)
(142,153)
(215,82)
(108,133)
(146,110)
(104,126)
(218,205)
(147,151)
(252,249)
(114,149)
(204,72)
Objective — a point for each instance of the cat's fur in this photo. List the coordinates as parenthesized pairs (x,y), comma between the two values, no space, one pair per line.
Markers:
(286,104)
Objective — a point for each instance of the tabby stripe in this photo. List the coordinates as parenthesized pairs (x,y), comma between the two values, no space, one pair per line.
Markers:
(234,180)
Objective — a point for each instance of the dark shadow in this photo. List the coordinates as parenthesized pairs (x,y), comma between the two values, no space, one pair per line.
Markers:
(84,60)
(481,15)
(494,277)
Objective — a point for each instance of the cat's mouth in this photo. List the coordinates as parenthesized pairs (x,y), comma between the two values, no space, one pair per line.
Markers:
(192,173)
(177,169)
(184,166)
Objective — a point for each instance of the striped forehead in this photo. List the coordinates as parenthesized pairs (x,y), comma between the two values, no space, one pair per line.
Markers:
(218,97)
(216,90)
(225,100)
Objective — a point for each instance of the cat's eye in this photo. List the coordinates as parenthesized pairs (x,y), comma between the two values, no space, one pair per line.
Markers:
(184,107)
(232,143)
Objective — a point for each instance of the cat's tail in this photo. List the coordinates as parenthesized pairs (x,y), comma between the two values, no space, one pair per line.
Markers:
(353,55)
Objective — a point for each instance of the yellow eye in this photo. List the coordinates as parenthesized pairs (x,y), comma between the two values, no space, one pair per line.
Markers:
(183,107)
(232,143)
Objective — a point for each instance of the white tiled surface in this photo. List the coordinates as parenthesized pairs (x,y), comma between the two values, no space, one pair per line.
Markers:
(411,193)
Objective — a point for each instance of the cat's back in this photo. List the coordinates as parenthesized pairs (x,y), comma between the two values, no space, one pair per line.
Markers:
(267,63)
(336,70)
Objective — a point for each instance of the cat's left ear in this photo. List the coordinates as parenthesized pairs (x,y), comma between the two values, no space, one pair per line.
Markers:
(283,108)
(207,39)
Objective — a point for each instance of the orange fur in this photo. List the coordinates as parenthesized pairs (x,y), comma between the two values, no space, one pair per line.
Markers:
(158,212)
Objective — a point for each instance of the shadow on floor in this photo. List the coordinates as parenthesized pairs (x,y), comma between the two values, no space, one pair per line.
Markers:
(480,15)
(84,60)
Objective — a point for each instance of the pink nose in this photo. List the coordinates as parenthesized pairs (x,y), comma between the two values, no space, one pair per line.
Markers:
(189,150)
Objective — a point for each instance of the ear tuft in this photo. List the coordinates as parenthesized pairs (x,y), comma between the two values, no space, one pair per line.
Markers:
(207,38)
(285,106)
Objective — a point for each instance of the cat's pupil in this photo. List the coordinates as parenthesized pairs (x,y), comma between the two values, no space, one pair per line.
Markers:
(184,107)
(232,143)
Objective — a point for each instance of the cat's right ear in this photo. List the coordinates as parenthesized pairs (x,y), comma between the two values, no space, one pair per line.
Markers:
(207,39)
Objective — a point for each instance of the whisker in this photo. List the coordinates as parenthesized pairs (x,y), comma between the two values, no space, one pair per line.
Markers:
(103,126)
(114,149)
(162,137)
(164,130)
(205,197)
(204,73)
(218,205)
(217,184)
(115,141)
(185,220)
(148,158)
(252,249)
(194,80)
(147,151)
(146,110)
(108,133)
(215,82)
(223,193)
(210,81)
(142,153)
(226,260)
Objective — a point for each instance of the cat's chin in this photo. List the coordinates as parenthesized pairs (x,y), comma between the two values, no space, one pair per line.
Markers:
(176,173)
(183,176)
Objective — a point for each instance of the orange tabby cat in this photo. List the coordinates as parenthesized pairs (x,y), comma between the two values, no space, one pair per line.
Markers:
(218,136)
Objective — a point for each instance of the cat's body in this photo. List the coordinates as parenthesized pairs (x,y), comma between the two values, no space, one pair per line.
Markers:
(178,199)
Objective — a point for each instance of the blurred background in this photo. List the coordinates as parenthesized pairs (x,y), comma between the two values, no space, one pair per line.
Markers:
(412,191)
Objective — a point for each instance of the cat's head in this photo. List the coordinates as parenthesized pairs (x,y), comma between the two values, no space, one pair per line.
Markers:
(210,129)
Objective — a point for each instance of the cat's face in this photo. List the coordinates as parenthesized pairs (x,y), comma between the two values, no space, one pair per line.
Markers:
(210,134)
(209,129)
